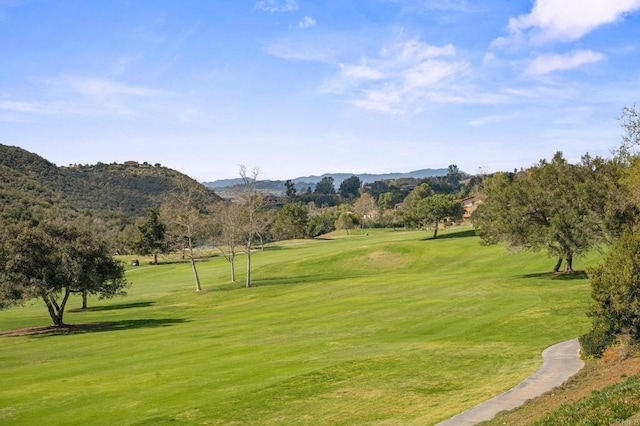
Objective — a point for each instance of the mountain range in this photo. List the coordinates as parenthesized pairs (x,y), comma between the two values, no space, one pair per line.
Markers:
(311,181)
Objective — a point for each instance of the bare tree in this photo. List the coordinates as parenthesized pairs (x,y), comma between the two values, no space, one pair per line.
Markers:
(183,214)
(227,217)
(251,202)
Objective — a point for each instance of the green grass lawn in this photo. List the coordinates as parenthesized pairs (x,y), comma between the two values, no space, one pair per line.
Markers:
(389,328)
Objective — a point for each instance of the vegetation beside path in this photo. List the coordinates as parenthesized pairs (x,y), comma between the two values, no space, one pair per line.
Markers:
(390,327)
(604,392)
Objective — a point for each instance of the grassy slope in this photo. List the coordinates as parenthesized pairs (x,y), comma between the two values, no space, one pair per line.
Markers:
(389,328)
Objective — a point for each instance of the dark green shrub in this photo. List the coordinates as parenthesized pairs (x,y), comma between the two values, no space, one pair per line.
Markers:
(596,341)
(615,290)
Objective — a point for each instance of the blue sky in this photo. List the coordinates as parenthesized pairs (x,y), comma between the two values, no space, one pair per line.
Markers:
(301,87)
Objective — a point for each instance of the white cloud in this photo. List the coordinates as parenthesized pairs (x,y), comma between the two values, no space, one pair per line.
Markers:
(276,6)
(306,22)
(564,20)
(545,64)
(399,78)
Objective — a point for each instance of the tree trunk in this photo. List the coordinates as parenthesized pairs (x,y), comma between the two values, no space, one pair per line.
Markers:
(57,321)
(248,283)
(155,258)
(193,266)
(435,231)
(557,267)
(56,312)
(568,267)
(232,262)
(84,299)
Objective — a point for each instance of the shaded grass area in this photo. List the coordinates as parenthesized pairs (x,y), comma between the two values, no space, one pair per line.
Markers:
(91,327)
(388,328)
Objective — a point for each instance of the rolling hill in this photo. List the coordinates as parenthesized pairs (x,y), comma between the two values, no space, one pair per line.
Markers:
(30,185)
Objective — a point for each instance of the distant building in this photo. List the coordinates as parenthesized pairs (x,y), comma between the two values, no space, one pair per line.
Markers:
(470,204)
(131,163)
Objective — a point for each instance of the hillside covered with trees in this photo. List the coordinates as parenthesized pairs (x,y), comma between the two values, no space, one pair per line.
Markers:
(31,185)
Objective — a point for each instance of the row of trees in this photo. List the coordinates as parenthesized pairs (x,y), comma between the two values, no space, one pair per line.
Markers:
(386,192)
(236,226)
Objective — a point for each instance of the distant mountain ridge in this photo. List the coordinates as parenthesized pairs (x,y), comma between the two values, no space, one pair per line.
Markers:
(337,177)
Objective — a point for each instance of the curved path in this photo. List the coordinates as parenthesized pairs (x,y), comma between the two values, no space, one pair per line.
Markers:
(561,361)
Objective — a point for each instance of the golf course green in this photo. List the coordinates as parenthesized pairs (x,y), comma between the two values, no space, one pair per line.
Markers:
(386,328)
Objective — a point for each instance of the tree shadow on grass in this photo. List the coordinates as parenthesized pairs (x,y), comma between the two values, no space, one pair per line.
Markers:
(114,307)
(47,331)
(559,276)
(447,235)
(458,234)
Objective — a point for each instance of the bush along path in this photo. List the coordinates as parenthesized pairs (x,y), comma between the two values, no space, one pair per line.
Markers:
(560,362)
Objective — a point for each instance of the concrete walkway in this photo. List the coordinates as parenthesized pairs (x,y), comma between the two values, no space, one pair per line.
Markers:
(561,361)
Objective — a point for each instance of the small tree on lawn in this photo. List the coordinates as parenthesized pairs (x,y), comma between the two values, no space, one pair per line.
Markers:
(436,208)
(251,203)
(51,261)
(346,220)
(182,212)
(151,238)
(292,220)
(227,230)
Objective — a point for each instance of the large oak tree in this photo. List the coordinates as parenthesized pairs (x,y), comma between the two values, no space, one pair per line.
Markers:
(564,208)
(53,260)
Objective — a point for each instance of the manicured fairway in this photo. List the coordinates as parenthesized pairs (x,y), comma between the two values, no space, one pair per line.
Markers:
(390,328)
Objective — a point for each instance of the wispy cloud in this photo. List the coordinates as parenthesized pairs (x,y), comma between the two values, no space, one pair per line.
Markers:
(276,5)
(97,87)
(42,107)
(73,95)
(488,119)
(403,74)
(564,21)
(418,6)
(545,64)
(306,22)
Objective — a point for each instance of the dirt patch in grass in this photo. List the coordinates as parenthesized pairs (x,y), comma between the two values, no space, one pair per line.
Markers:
(595,375)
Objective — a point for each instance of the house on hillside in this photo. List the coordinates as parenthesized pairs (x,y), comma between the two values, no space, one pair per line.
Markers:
(470,204)
(131,163)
